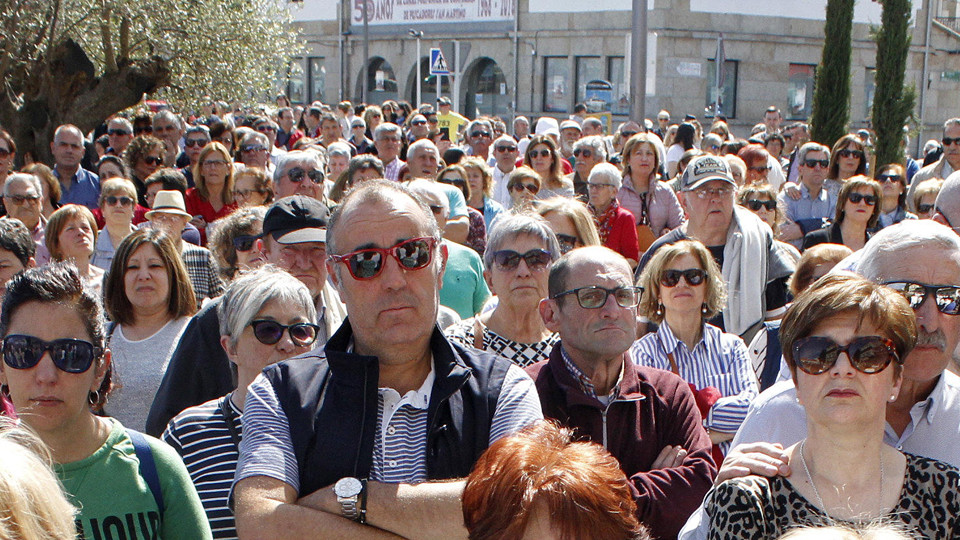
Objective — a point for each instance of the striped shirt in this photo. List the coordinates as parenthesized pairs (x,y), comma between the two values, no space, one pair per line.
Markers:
(201,436)
(399,453)
(719,360)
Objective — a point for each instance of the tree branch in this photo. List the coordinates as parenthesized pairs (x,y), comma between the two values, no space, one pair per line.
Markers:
(109,59)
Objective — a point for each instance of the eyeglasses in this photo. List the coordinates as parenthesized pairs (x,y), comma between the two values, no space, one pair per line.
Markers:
(5,152)
(20,199)
(541,153)
(536,259)
(112,200)
(189,143)
(412,254)
(476,134)
(459,182)
(583,151)
(760,169)
(756,205)
(947,296)
(627,134)
(857,197)
(594,185)
(814,163)
(532,188)
(506,148)
(594,296)
(787,136)
(712,193)
(245,242)
(263,129)
(432,119)
(117,132)
(253,148)
(925,208)
(947,141)
(297,174)
(244,193)
(888,178)
(845,153)
(151,160)
(567,242)
(693,277)
(270,332)
(867,354)
(418,123)
(70,355)
(214,162)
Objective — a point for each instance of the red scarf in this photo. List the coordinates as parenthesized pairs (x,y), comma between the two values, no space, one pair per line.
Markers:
(605,221)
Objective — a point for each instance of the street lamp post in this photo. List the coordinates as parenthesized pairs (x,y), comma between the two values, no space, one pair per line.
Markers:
(418,34)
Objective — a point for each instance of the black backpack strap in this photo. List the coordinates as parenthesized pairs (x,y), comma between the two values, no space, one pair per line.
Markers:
(148,467)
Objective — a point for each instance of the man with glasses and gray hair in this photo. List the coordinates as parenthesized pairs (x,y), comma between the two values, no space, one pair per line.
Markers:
(647,418)
(387,139)
(478,136)
(588,152)
(948,163)
(365,437)
(818,200)
(300,173)
(21,198)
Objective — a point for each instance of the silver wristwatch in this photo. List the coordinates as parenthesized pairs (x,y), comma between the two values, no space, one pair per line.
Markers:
(348,491)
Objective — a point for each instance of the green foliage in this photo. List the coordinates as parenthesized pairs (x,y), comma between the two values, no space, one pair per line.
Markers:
(892,102)
(831,95)
(231,49)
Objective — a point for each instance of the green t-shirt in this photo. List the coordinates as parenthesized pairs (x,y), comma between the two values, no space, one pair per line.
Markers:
(464,289)
(115,501)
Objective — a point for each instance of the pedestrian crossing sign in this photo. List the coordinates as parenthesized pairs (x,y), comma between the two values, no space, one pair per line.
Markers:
(438,65)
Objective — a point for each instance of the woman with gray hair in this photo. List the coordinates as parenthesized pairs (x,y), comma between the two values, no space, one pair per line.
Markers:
(265,316)
(615,224)
(519,252)
(338,158)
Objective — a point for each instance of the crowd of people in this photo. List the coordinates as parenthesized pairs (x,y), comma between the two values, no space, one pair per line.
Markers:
(388,321)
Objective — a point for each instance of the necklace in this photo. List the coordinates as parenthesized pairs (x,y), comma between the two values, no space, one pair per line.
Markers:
(803,461)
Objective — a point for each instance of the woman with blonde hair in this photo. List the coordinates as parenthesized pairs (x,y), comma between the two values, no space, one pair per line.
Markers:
(32,503)
(71,235)
(571,222)
(655,207)
(480,179)
(212,197)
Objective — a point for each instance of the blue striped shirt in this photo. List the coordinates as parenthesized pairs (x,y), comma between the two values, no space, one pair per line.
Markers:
(719,360)
(399,453)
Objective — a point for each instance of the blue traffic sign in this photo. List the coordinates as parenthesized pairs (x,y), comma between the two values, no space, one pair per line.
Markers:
(438,65)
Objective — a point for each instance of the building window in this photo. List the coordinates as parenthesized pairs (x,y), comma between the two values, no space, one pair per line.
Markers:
(318,79)
(621,90)
(800,91)
(556,82)
(728,90)
(589,68)
(295,81)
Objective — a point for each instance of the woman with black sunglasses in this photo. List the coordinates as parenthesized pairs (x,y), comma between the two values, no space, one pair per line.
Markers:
(847,158)
(519,253)
(266,316)
(761,199)
(124,483)
(143,157)
(234,242)
(683,288)
(858,209)
(118,208)
(893,203)
(844,342)
(543,156)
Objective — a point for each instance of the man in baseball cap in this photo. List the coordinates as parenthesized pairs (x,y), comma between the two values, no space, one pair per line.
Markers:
(754,268)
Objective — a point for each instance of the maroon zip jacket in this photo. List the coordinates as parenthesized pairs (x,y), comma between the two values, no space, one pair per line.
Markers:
(655,409)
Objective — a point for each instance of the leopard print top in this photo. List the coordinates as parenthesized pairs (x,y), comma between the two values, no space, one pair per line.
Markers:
(759,508)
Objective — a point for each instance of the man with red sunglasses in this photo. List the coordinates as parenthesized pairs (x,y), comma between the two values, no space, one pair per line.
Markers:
(354,440)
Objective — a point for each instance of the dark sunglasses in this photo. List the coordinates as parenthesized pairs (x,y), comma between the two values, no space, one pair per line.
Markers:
(532,188)
(947,141)
(925,208)
(541,153)
(476,134)
(297,174)
(536,259)
(412,254)
(70,355)
(459,182)
(584,152)
(594,296)
(867,354)
(432,119)
(263,129)
(252,148)
(850,153)
(196,142)
(857,197)
(245,242)
(150,160)
(814,163)
(567,242)
(760,169)
(418,123)
(787,136)
(693,277)
(947,296)
(888,178)
(756,205)
(506,149)
(270,332)
(117,132)
(113,199)
(5,152)
(628,134)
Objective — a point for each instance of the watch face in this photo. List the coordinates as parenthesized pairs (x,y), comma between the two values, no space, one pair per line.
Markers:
(347,487)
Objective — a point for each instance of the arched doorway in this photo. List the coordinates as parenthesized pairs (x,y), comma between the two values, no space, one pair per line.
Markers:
(485,90)
(382,83)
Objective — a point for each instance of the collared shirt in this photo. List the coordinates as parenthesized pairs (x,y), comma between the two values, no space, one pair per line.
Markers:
(585,383)
(84,188)
(808,207)
(934,428)
(719,360)
(500,192)
(391,171)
